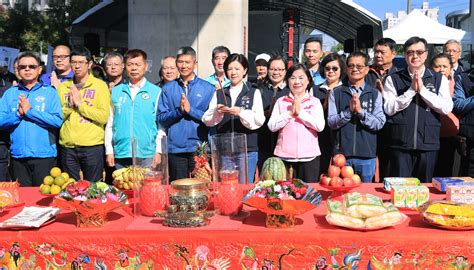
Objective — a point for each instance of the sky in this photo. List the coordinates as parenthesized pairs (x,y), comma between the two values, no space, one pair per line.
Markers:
(379,7)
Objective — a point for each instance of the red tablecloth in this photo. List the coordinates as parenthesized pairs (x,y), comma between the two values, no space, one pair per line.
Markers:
(232,243)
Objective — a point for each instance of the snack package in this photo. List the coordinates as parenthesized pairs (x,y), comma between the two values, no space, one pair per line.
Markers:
(363,205)
(9,193)
(399,181)
(441,183)
(344,220)
(463,194)
(410,197)
(448,214)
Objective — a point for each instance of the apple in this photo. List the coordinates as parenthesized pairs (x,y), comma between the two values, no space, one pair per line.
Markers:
(347,172)
(333,171)
(336,182)
(348,182)
(339,160)
(324,180)
(356,179)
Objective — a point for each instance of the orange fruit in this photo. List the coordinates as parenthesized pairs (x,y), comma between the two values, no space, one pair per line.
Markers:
(48,180)
(55,189)
(55,172)
(59,181)
(45,189)
(65,175)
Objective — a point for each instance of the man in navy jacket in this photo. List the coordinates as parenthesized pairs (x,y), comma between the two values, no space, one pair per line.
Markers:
(414,98)
(180,109)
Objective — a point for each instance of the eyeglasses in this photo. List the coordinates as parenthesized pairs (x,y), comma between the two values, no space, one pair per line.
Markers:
(61,57)
(412,52)
(328,68)
(78,63)
(22,67)
(277,69)
(358,67)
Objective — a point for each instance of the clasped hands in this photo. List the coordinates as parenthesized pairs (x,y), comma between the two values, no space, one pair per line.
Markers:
(23,105)
(221,108)
(417,83)
(354,104)
(295,109)
(74,96)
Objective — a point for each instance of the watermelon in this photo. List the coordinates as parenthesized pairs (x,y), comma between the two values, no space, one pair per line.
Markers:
(273,169)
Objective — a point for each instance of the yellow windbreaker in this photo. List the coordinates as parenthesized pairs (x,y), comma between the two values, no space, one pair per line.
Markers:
(84,125)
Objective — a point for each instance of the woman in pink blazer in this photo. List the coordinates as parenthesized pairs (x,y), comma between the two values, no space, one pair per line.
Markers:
(298,117)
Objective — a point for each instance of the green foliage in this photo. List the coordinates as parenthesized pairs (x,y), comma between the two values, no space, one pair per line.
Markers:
(338,47)
(34,30)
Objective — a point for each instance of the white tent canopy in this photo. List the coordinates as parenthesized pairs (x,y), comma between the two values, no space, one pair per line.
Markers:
(418,24)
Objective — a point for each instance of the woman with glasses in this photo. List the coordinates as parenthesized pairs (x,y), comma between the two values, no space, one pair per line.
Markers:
(276,88)
(31,111)
(298,117)
(238,108)
(333,71)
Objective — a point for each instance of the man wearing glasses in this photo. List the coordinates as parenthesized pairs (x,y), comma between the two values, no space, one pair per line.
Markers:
(86,106)
(414,98)
(62,67)
(452,48)
(31,112)
(355,114)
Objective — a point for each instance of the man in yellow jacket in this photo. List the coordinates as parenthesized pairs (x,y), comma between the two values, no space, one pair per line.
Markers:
(85,101)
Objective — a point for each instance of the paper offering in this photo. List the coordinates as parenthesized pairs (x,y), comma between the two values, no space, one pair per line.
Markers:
(30,217)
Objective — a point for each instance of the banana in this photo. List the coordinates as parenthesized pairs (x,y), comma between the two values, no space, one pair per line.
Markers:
(67,183)
(118,172)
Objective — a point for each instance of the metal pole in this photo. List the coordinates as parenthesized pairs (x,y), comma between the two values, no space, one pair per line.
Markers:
(408,6)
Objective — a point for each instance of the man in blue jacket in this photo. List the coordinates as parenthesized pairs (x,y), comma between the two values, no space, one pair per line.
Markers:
(133,116)
(32,113)
(181,107)
(355,114)
(62,67)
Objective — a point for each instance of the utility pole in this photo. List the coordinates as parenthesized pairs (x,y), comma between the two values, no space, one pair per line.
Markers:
(408,6)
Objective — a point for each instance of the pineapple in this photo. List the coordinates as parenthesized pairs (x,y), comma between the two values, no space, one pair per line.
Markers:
(202,169)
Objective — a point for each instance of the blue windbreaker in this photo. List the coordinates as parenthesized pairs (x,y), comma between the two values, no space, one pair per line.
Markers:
(137,117)
(184,130)
(33,135)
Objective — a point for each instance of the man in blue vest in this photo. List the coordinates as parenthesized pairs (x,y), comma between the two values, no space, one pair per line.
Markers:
(133,117)
(355,113)
(181,107)
(413,99)
(464,107)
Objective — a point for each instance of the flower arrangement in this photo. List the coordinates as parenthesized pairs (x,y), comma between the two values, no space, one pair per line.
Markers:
(281,200)
(293,189)
(90,201)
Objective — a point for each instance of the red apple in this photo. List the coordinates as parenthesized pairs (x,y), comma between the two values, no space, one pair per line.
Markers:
(347,172)
(324,180)
(356,179)
(339,160)
(333,171)
(336,182)
(348,182)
